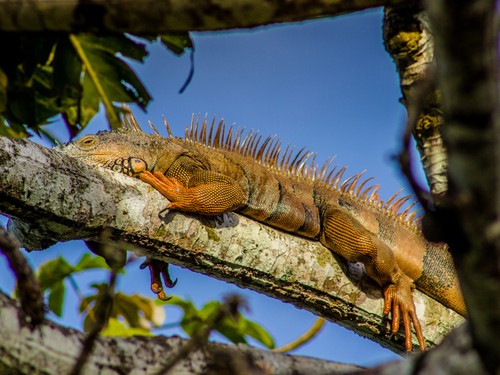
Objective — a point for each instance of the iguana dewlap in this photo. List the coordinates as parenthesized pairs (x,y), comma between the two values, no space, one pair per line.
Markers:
(213,174)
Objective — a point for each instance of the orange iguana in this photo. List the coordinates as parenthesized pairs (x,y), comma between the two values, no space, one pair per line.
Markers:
(214,174)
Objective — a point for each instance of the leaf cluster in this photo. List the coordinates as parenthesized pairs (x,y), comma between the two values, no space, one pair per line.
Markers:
(43,76)
(234,327)
(53,273)
(138,315)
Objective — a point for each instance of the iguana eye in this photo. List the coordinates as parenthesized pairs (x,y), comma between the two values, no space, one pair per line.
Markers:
(87,142)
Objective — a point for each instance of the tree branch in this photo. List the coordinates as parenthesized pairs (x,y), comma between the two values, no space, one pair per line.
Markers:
(56,197)
(465,34)
(30,352)
(152,17)
(408,39)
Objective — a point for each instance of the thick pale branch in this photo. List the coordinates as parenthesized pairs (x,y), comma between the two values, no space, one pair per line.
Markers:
(153,17)
(52,350)
(63,199)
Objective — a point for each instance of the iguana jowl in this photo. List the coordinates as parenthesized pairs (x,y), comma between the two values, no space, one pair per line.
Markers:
(213,175)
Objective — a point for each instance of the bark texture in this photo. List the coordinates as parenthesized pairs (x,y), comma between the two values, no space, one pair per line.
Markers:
(465,34)
(63,199)
(408,39)
(154,17)
(52,350)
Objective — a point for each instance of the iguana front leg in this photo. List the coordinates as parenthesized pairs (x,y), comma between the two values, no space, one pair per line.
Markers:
(345,236)
(206,192)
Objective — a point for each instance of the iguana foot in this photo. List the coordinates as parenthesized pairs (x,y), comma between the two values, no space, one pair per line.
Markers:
(158,269)
(172,189)
(399,300)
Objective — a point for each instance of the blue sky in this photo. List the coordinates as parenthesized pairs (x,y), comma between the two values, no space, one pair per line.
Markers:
(326,84)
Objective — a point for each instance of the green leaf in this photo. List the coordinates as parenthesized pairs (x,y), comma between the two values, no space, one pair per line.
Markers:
(137,310)
(89,103)
(252,329)
(3,90)
(209,310)
(115,44)
(88,261)
(56,298)
(177,43)
(125,306)
(228,328)
(10,132)
(117,328)
(54,271)
(118,80)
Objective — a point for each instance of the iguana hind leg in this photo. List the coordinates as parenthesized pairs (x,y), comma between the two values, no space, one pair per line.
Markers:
(346,237)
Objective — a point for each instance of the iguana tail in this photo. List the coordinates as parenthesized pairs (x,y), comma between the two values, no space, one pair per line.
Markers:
(439,279)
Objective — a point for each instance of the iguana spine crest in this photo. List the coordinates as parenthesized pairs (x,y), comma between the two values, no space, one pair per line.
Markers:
(297,169)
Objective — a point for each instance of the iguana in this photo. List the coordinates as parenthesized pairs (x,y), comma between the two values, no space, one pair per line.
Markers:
(219,173)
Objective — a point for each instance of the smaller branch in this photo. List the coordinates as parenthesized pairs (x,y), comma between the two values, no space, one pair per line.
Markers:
(425,87)
(82,298)
(316,327)
(101,319)
(30,292)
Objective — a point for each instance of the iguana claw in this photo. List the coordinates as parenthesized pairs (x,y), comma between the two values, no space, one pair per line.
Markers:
(398,299)
(159,269)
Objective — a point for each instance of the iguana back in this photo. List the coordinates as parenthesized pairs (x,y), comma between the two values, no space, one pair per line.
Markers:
(209,172)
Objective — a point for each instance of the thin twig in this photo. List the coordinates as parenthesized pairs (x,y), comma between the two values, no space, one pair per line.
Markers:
(30,292)
(318,324)
(102,316)
(82,298)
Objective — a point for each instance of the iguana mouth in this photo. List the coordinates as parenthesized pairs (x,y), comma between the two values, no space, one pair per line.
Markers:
(129,166)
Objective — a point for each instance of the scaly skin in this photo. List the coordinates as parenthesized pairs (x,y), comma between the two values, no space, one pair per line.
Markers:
(212,178)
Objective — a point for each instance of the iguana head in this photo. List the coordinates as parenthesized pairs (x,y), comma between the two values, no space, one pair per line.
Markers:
(127,149)
(121,151)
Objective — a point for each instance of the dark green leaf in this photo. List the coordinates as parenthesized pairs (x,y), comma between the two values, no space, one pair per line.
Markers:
(117,79)
(67,67)
(177,43)
(3,90)
(20,107)
(90,101)
(114,44)
(56,298)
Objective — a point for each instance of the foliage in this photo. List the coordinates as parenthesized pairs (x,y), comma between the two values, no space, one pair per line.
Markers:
(235,330)
(135,314)
(138,311)
(53,273)
(43,76)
